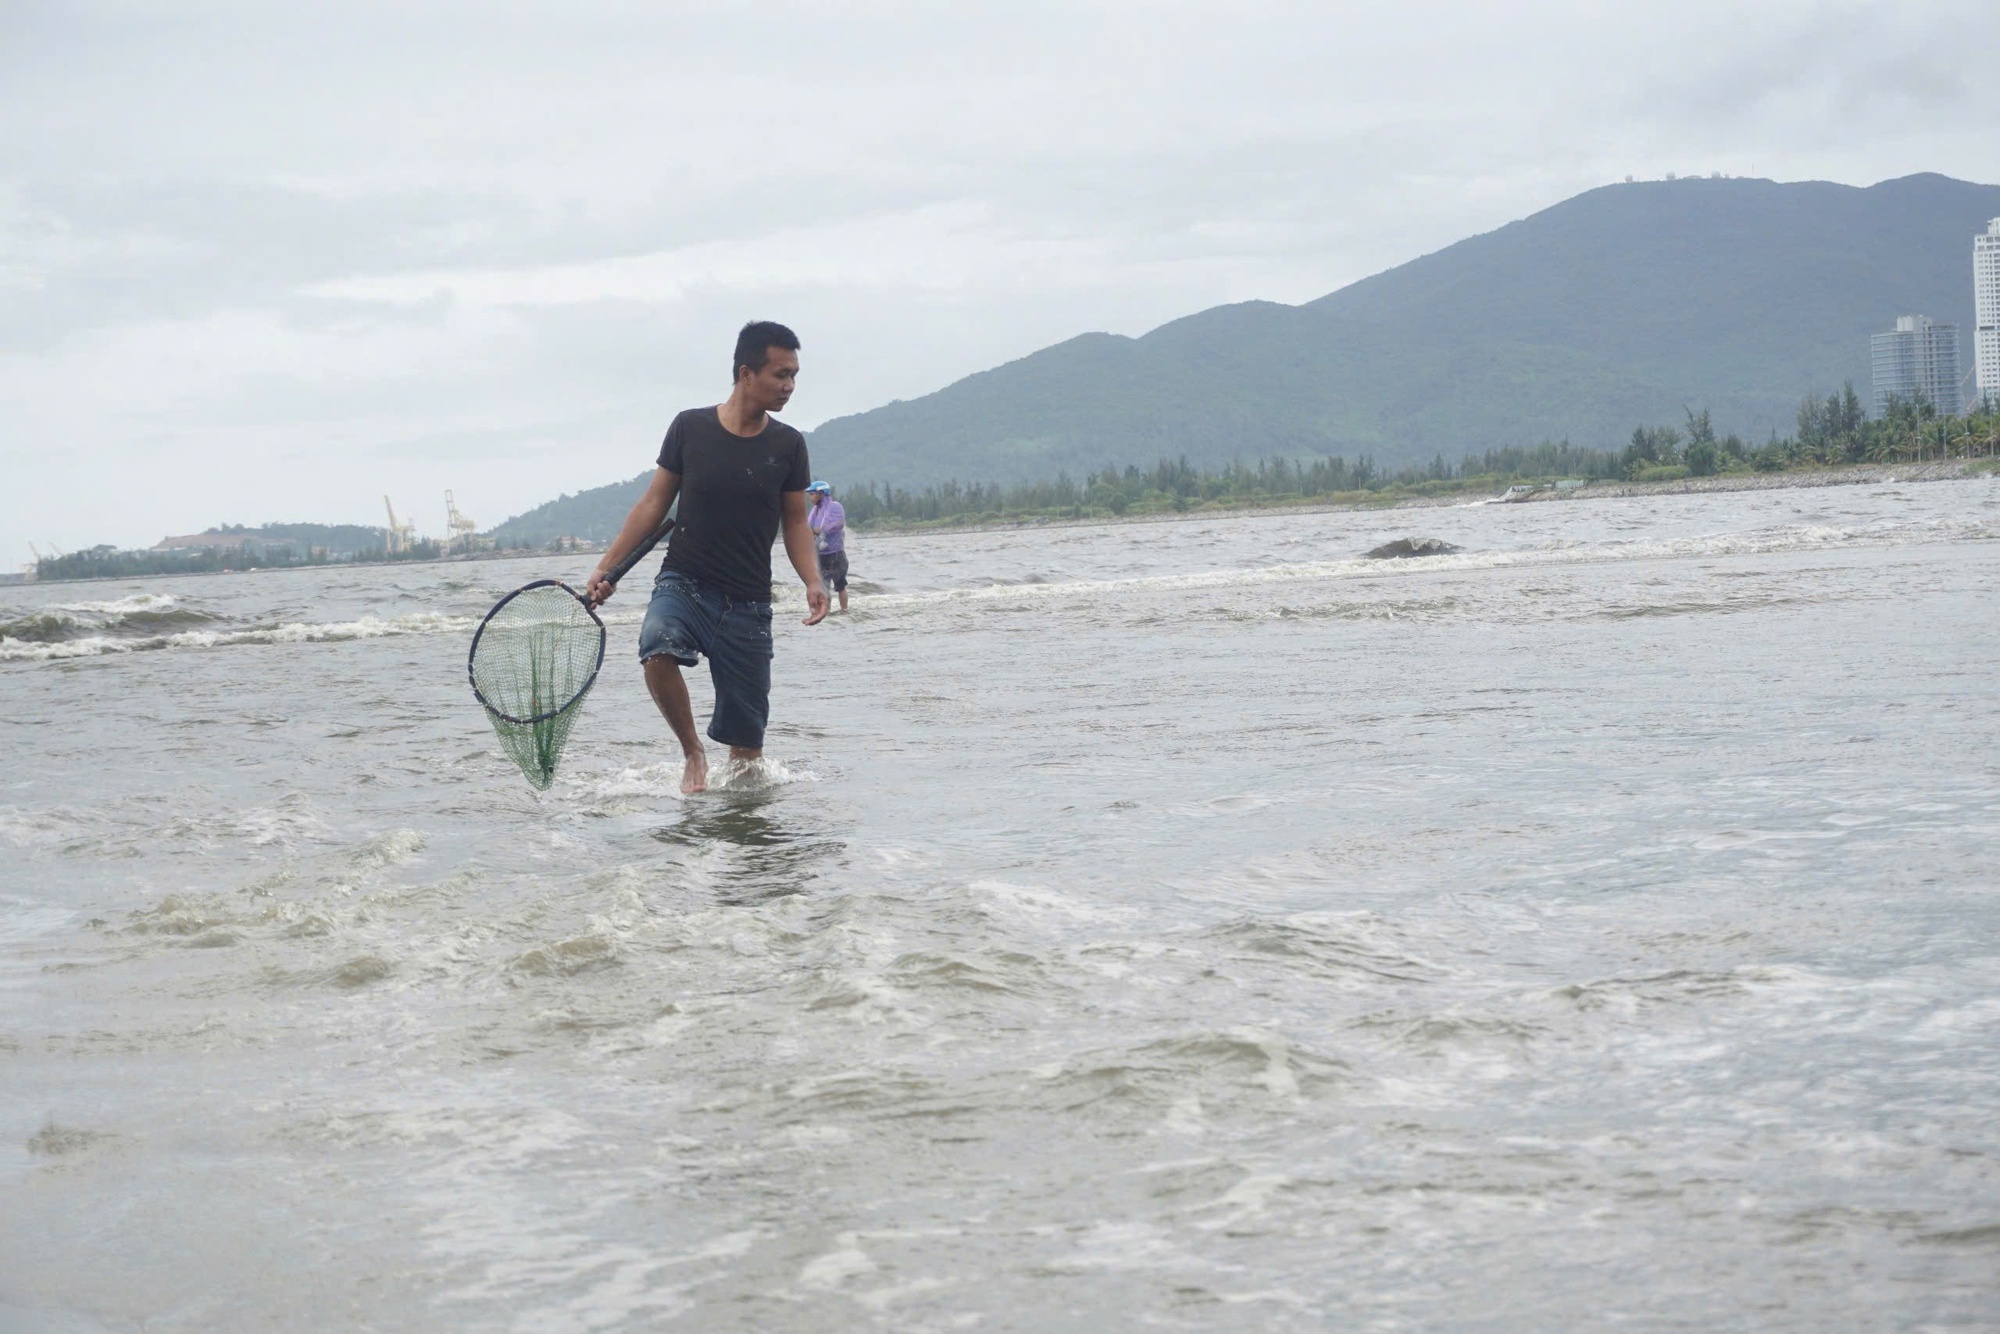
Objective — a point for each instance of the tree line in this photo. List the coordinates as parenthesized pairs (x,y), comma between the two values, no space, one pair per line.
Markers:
(108,562)
(1830,431)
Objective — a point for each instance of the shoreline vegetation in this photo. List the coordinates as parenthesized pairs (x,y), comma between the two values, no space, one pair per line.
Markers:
(1855,474)
(1835,444)
(106,562)
(1834,436)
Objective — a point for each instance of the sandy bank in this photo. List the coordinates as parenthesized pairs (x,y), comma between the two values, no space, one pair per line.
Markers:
(1853,475)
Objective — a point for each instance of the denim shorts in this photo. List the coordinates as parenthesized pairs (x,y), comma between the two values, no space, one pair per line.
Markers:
(685,620)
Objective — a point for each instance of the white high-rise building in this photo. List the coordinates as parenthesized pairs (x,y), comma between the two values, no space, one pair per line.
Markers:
(1986,310)
(1917,362)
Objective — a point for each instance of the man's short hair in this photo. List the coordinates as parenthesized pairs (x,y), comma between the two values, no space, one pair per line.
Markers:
(754,344)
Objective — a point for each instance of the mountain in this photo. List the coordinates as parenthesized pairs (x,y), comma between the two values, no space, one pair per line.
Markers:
(1617,307)
(592,516)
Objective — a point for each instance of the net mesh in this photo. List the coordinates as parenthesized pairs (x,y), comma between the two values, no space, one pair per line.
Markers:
(532,664)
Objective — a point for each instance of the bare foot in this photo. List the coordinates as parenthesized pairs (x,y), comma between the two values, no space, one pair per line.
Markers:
(694,778)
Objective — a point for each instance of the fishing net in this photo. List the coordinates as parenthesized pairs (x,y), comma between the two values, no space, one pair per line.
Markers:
(533,660)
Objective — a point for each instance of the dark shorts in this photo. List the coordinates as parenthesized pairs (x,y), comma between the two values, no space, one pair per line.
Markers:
(685,620)
(833,570)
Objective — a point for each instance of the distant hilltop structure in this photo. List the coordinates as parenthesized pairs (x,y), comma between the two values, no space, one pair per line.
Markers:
(1986,311)
(238,539)
(1916,362)
(1691,176)
(304,540)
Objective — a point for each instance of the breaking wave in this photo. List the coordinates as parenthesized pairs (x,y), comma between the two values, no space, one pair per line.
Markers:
(1768,541)
(103,640)
(660,781)
(67,622)
(159,621)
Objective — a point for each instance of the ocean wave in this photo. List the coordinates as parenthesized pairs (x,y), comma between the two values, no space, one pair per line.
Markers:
(1768,541)
(65,622)
(35,828)
(295,632)
(661,781)
(158,621)
(138,602)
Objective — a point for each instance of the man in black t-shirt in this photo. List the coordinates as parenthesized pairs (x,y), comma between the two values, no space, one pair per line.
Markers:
(740,477)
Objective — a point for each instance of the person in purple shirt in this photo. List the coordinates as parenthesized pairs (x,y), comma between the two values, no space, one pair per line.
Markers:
(828,522)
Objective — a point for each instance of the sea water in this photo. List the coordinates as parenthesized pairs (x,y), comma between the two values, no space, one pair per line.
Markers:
(1177,925)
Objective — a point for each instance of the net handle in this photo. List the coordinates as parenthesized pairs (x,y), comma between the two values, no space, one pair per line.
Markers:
(472,654)
(638,553)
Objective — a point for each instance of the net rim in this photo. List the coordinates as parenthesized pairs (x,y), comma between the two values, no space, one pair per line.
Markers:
(581,690)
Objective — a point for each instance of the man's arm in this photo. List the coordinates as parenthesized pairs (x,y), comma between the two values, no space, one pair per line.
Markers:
(799,546)
(640,524)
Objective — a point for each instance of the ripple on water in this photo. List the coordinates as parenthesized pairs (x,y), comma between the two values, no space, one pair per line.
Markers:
(1263,946)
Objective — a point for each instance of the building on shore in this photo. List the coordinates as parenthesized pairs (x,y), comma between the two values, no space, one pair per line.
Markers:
(1986,311)
(1917,362)
(249,543)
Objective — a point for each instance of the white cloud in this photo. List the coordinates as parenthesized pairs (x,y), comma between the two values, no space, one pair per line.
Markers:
(269,261)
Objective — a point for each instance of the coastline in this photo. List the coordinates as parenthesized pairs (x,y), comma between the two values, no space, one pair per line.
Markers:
(1853,474)
(456,558)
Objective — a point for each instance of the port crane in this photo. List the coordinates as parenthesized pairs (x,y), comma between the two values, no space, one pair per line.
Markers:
(460,527)
(402,535)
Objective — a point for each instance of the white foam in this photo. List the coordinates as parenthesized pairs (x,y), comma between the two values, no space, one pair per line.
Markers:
(1030,904)
(28,828)
(880,1299)
(1808,537)
(648,780)
(122,606)
(22,921)
(1554,553)
(1251,1194)
(662,781)
(846,1260)
(753,774)
(1277,1074)
(294,632)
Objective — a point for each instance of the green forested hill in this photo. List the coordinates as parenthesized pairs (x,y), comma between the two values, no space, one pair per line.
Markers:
(593,516)
(340,539)
(1617,307)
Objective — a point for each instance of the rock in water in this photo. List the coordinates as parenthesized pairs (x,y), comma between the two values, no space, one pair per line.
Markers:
(1411,546)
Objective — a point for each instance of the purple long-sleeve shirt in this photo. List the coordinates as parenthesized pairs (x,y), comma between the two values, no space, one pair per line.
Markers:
(829,523)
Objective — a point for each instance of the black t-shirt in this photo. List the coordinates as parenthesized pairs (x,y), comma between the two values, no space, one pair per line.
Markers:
(731,501)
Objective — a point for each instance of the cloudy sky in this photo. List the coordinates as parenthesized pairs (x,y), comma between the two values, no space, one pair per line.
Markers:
(266,262)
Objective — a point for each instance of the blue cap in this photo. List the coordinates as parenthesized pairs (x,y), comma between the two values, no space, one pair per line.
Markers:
(820,486)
